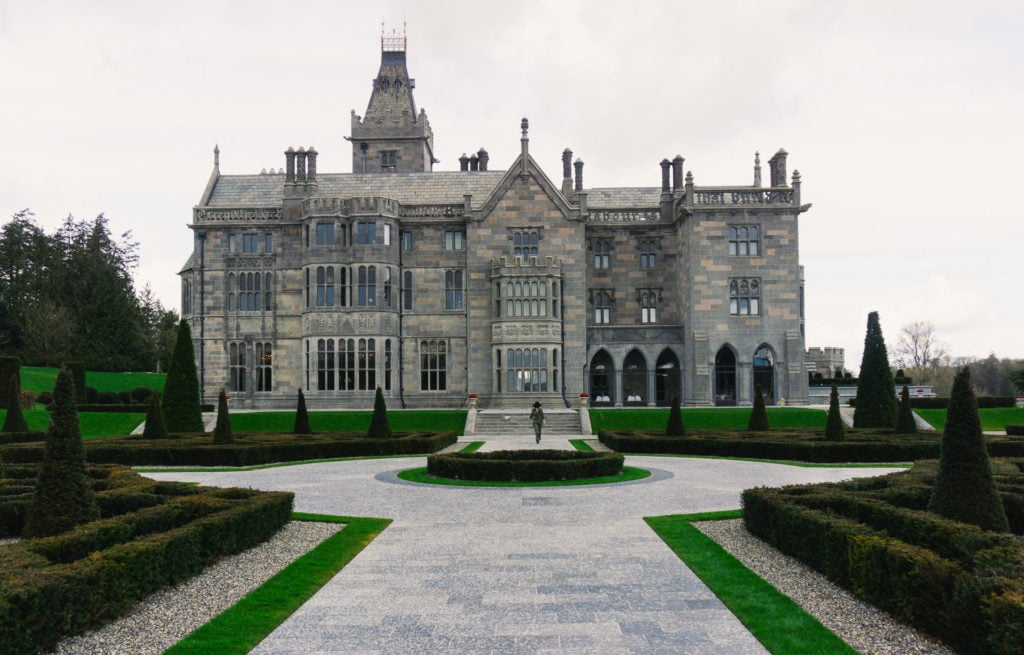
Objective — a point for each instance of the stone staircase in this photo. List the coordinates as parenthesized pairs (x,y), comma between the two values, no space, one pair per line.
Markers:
(517,421)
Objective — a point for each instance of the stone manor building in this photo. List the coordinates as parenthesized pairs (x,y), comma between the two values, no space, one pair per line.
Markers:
(508,284)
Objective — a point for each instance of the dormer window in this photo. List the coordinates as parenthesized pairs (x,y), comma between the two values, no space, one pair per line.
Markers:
(384,85)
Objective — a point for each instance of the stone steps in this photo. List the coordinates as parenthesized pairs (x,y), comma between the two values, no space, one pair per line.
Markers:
(498,422)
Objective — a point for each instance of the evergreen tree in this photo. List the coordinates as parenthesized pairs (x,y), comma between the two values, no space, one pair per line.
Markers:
(182,410)
(876,396)
(758,415)
(77,370)
(905,423)
(8,366)
(301,417)
(835,430)
(15,420)
(222,433)
(675,420)
(379,424)
(156,427)
(964,488)
(63,497)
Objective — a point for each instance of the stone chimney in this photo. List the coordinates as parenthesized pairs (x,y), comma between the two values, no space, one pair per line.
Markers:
(484,158)
(311,169)
(578,165)
(566,172)
(474,163)
(757,169)
(289,158)
(463,162)
(677,173)
(778,167)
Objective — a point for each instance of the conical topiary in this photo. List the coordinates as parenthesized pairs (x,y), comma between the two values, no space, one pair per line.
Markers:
(905,423)
(675,420)
(379,424)
(15,419)
(222,433)
(78,377)
(63,497)
(835,429)
(8,366)
(182,410)
(155,427)
(301,417)
(964,489)
(758,415)
(876,391)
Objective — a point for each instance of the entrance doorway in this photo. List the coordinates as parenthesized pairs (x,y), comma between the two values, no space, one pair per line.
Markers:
(764,373)
(666,378)
(601,376)
(634,379)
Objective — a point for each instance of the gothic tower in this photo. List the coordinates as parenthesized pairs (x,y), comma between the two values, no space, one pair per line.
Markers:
(392,137)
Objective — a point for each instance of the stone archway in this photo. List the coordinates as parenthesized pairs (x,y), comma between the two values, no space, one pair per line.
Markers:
(667,379)
(602,379)
(764,373)
(725,377)
(634,379)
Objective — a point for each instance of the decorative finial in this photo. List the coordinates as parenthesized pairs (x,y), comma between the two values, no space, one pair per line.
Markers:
(216,155)
(525,125)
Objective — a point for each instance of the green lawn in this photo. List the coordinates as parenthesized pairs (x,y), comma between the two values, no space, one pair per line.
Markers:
(95,425)
(401,421)
(993,418)
(39,379)
(719,418)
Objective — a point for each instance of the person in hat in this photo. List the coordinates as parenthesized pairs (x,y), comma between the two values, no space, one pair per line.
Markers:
(537,418)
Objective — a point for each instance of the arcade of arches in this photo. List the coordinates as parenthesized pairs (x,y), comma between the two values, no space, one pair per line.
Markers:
(636,383)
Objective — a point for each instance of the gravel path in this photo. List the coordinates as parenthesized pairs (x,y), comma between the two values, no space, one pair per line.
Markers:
(166,617)
(865,628)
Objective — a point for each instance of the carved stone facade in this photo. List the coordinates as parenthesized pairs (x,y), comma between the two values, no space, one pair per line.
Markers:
(433,285)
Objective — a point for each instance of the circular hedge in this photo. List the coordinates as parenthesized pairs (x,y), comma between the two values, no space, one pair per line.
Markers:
(525,465)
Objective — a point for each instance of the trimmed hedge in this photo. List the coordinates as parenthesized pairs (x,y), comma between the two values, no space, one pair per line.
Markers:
(63,585)
(525,465)
(248,449)
(1015,430)
(861,445)
(942,402)
(22,437)
(954,580)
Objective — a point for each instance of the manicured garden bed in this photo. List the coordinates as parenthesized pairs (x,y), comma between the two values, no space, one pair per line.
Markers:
(804,445)
(151,535)
(453,420)
(992,418)
(524,465)
(94,425)
(700,418)
(874,537)
(248,449)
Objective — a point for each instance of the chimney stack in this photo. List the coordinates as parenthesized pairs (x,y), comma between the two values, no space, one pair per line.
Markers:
(677,173)
(463,162)
(578,164)
(483,157)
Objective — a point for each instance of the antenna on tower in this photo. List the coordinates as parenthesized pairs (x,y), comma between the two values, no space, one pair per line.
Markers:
(393,42)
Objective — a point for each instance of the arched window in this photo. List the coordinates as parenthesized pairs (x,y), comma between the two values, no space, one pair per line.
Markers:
(744,240)
(602,254)
(725,377)
(744,297)
(602,308)
(764,373)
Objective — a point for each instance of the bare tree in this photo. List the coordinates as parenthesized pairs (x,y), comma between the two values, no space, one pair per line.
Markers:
(918,348)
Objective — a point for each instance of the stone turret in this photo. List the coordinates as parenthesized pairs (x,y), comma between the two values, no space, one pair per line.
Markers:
(392,137)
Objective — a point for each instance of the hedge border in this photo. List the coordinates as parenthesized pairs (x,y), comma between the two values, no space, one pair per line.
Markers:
(524,465)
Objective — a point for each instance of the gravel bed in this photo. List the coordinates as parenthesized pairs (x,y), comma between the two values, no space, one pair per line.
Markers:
(166,617)
(865,628)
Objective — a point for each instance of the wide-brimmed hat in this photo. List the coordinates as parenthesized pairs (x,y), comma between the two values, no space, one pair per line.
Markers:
(536,404)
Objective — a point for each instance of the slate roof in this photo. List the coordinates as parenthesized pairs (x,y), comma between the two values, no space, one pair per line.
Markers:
(407,188)
(436,188)
(623,197)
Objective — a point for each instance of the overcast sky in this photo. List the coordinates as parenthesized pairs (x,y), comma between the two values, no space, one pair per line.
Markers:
(903,118)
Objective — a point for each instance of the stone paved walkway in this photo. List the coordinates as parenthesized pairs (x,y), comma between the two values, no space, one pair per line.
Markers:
(558,570)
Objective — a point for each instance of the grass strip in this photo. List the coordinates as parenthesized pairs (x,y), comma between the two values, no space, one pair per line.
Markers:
(472,446)
(257,467)
(784,462)
(782,626)
(245,624)
(581,445)
(628,474)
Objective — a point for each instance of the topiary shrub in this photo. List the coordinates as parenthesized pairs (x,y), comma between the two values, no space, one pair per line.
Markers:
(92,395)
(107,398)
(876,402)
(905,423)
(77,370)
(675,421)
(155,427)
(15,420)
(964,488)
(124,397)
(182,410)
(758,415)
(301,416)
(141,394)
(379,424)
(8,366)
(63,496)
(222,433)
(835,430)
